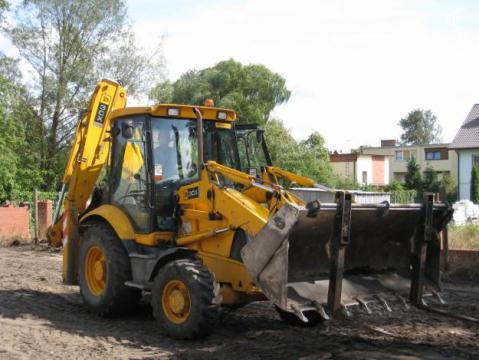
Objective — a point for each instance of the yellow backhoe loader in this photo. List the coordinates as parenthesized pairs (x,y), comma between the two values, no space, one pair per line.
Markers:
(167,200)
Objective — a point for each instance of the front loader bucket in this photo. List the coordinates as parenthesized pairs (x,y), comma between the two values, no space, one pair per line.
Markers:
(327,256)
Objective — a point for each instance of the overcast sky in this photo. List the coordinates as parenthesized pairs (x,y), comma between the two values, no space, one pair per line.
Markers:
(354,67)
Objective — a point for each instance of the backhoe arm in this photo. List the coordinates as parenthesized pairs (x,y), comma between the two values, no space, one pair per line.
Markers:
(88,154)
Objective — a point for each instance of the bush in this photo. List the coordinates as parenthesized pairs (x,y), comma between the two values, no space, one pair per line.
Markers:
(475,184)
(403,196)
(394,186)
(448,189)
(413,179)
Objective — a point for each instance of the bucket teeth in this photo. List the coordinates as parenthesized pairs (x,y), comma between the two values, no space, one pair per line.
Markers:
(364,304)
(299,313)
(345,311)
(403,301)
(320,309)
(384,302)
(438,297)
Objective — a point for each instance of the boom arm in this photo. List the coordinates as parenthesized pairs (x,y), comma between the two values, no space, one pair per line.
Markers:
(300,180)
(87,156)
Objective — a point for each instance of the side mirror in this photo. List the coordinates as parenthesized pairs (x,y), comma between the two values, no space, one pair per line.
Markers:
(127,129)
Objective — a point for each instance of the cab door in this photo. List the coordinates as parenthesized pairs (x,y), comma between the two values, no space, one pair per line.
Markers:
(128,180)
(252,149)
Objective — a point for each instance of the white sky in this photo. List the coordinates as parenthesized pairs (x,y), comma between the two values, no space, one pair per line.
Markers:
(354,67)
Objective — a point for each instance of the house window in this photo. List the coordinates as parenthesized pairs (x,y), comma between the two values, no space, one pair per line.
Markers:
(365,177)
(475,160)
(433,155)
(403,155)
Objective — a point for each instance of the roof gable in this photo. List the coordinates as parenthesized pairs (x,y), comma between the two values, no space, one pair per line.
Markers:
(468,135)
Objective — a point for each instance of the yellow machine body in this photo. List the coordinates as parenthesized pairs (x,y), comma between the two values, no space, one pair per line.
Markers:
(293,253)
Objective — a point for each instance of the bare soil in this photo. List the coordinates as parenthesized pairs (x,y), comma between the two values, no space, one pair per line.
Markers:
(41,318)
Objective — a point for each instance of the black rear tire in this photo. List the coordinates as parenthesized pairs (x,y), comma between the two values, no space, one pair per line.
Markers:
(291,319)
(115,299)
(199,307)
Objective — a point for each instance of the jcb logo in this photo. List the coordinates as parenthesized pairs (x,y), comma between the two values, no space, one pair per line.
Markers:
(101,113)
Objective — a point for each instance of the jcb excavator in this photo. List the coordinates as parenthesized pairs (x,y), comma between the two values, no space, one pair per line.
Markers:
(167,200)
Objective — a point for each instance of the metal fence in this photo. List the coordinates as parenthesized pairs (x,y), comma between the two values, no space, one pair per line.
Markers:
(325,196)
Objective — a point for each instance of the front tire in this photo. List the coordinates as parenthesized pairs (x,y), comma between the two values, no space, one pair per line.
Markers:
(104,267)
(185,300)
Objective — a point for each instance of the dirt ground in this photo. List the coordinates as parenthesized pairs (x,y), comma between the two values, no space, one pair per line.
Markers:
(41,318)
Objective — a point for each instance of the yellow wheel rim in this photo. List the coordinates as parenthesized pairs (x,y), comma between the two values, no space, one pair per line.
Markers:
(176,301)
(95,270)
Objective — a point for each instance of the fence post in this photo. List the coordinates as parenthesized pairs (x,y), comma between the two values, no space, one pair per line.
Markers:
(35,225)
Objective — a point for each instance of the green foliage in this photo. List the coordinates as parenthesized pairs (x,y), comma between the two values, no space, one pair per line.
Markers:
(70,45)
(400,195)
(394,186)
(162,93)
(19,167)
(431,181)
(308,158)
(403,196)
(475,184)
(448,188)
(420,127)
(413,179)
(252,90)
(346,184)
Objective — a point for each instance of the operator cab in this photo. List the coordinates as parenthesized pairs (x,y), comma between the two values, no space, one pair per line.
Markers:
(253,152)
(155,151)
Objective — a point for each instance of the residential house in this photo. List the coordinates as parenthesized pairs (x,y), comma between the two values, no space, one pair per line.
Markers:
(363,169)
(466,145)
(437,156)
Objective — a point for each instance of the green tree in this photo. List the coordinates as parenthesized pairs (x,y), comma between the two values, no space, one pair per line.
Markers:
(252,90)
(18,147)
(475,184)
(413,179)
(420,127)
(394,186)
(448,188)
(3,6)
(308,158)
(431,181)
(70,45)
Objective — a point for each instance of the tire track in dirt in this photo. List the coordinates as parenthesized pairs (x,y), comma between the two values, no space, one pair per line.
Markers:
(43,319)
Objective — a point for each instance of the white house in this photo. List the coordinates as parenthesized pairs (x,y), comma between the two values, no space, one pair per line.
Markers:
(466,145)
(364,169)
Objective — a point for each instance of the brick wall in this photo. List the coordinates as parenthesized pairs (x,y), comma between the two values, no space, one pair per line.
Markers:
(14,221)
(378,170)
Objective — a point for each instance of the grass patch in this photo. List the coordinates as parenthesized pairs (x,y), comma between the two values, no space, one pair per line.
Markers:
(464,237)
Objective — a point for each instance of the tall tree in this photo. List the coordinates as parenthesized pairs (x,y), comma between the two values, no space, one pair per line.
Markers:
(69,45)
(18,145)
(420,127)
(475,184)
(413,179)
(448,188)
(309,158)
(252,90)
(431,181)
